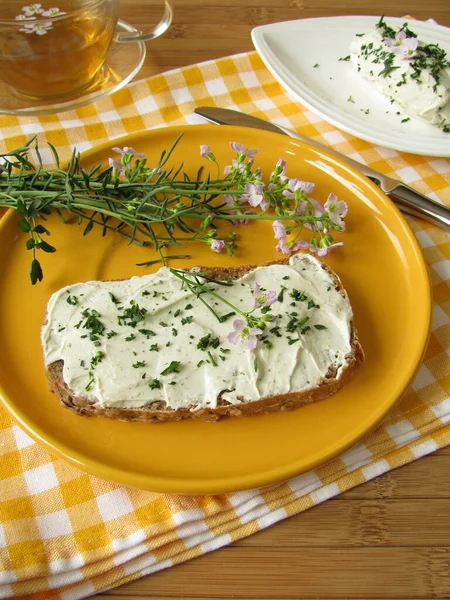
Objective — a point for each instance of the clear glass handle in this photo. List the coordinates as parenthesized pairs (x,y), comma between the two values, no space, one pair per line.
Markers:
(144,36)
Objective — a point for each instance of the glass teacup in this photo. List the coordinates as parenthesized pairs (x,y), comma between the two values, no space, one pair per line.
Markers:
(52,53)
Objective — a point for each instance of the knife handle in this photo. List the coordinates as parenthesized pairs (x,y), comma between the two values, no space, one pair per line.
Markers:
(414,203)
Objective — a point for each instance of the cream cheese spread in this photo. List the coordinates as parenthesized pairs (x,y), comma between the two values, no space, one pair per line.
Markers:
(413,75)
(147,339)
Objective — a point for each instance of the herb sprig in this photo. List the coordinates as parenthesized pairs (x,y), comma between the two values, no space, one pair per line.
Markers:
(161,206)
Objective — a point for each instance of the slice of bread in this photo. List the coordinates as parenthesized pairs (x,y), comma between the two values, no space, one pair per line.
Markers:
(157,410)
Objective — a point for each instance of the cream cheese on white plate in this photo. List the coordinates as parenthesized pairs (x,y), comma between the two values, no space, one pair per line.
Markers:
(413,75)
(130,343)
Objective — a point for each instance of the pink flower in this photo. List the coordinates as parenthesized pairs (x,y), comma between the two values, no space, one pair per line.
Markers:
(401,45)
(32,9)
(304,245)
(240,149)
(53,12)
(237,222)
(324,251)
(282,247)
(296,184)
(228,199)
(37,27)
(129,151)
(217,246)
(235,166)
(263,300)
(204,150)
(115,164)
(337,209)
(317,212)
(254,195)
(242,333)
(279,230)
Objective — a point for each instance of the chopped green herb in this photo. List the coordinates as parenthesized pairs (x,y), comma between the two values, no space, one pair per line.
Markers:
(82,363)
(211,358)
(200,362)
(172,383)
(113,298)
(130,337)
(224,318)
(174,332)
(206,341)
(139,363)
(154,384)
(72,300)
(186,320)
(298,296)
(111,334)
(316,65)
(163,324)
(154,348)
(405,120)
(345,58)
(173,367)
(133,315)
(147,332)
(280,296)
(188,307)
(285,278)
(177,313)
(320,326)
(303,321)
(146,293)
(276,331)
(93,323)
(350,99)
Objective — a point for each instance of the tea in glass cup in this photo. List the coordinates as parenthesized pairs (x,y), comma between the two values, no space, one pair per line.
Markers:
(50,52)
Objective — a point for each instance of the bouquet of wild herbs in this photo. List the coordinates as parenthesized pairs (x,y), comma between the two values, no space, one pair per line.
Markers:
(161,206)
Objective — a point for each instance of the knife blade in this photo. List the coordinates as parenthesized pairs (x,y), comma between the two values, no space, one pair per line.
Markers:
(405,197)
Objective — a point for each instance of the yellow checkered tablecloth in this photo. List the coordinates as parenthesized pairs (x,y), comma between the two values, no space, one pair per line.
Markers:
(68,535)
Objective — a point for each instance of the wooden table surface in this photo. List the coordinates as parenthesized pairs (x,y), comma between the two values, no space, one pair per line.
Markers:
(389,538)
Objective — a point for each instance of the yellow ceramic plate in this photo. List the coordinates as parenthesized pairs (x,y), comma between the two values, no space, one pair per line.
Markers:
(381,267)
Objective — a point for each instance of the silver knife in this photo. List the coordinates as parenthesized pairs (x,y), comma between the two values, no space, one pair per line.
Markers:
(406,198)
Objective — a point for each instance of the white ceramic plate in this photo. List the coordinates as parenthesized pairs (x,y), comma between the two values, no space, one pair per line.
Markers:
(292,48)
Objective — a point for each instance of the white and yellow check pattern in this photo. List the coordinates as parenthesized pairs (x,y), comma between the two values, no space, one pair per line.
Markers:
(68,535)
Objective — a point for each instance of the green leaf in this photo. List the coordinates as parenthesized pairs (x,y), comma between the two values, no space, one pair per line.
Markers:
(36,273)
(30,244)
(45,247)
(21,208)
(88,228)
(24,225)
(41,229)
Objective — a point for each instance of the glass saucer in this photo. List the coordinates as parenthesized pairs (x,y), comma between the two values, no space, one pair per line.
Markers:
(114,75)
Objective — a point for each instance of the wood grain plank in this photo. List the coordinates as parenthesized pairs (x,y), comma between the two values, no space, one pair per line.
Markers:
(304,573)
(426,478)
(345,523)
(109,596)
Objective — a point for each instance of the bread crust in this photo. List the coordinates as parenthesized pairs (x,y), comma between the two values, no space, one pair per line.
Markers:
(159,412)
